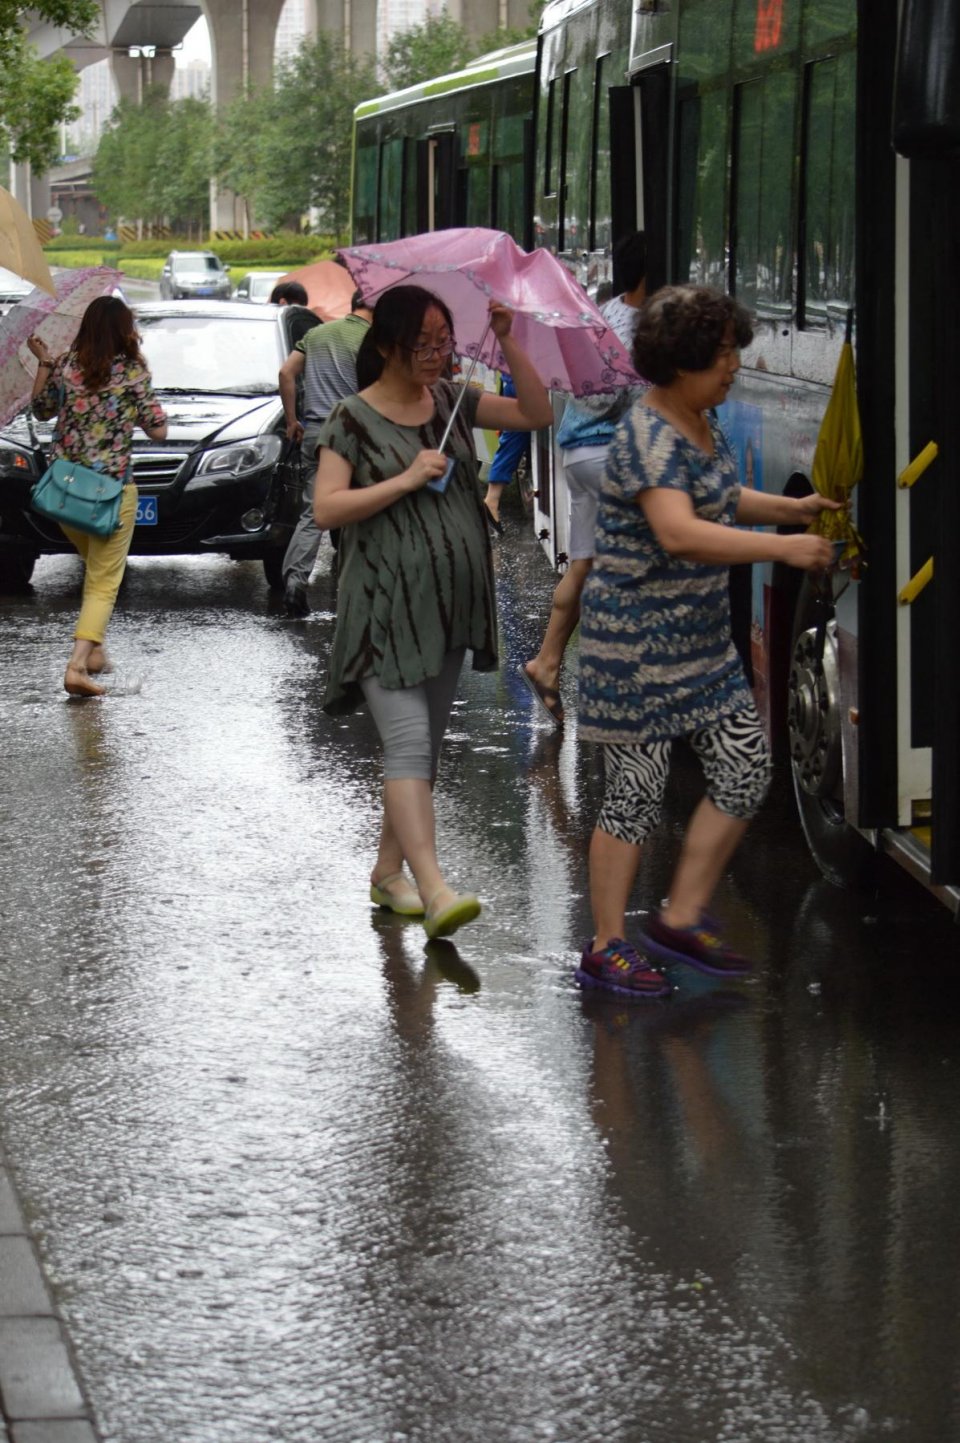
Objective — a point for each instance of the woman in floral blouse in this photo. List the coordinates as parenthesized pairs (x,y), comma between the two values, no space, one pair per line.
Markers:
(99,391)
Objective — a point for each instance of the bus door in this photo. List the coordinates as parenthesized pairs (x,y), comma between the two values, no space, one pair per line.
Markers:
(438,167)
(640,195)
(927,136)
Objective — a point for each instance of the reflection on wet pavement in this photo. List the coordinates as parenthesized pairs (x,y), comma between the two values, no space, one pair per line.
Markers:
(298,1176)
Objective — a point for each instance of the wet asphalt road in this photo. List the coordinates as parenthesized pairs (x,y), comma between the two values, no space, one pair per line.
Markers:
(297,1177)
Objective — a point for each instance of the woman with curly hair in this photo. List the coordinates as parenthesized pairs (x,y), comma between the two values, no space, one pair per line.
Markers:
(657,662)
(99,391)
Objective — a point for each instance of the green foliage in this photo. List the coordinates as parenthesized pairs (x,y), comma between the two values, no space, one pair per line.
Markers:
(36,95)
(154,161)
(287,150)
(438,46)
(441,45)
(66,242)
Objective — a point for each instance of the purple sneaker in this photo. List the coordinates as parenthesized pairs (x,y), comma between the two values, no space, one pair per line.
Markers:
(621,969)
(702,947)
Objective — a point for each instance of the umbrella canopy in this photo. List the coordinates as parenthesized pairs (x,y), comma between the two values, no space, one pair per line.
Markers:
(329,288)
(55,318)
(20,250)
(556,323)
(838,458)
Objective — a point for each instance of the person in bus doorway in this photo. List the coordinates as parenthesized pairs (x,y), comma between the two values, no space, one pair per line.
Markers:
(512,448)
(326,358)
(656,658)
(584,434)
(416,586)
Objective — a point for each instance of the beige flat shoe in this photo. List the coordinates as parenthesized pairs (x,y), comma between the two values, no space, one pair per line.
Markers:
(464,908)
(397,894)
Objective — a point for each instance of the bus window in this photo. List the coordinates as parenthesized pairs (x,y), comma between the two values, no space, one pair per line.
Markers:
(764,29)
(761,256)
(599,236)
(411,188)
(823,22)
(550,146)
(704,39)
(509,175)
(391,189)
(702,150)
(827,198)
(509,200)
(475,174)
(365,192)
(572,133)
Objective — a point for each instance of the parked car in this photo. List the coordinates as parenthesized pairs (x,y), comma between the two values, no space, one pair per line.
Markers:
(225,479)
(13,288)
(256,286)
(188,274)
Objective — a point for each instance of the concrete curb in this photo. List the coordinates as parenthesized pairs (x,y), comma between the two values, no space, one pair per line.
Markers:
(41,1400)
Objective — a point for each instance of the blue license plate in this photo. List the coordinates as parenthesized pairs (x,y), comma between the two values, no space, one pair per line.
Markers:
(147,511)
(205,290)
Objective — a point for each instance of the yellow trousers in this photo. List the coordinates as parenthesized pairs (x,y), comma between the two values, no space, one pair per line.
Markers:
(104,558)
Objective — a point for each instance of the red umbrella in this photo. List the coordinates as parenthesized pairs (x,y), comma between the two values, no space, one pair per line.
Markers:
(329,288)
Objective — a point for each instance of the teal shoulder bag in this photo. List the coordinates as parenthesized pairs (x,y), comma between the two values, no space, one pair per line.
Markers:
(78,496)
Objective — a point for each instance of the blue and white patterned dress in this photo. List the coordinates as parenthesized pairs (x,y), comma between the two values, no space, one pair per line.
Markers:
(656,655)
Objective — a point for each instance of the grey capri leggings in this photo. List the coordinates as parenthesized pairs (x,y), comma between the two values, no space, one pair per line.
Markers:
(735,760)
(412,720)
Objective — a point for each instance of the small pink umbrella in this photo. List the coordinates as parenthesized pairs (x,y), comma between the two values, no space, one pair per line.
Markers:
(556,323)
(56,319)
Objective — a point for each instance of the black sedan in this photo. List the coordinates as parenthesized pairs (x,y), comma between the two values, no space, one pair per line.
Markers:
(223,480)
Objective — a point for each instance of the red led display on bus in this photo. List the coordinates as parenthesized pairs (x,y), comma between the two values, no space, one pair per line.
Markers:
(769,29)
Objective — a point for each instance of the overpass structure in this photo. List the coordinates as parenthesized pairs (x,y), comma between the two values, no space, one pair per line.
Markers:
(140,36)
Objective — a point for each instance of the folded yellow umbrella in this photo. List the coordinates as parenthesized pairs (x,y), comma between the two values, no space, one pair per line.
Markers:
(838,459)
(20,250)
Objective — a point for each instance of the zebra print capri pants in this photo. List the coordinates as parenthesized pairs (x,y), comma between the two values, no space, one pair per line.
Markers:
(735,760)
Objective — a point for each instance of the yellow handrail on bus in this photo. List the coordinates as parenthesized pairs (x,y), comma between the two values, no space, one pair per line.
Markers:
(919,464)
(915,585)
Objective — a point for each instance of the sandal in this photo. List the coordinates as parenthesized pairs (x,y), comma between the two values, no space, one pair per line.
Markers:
(547,696)
(405,901)
(464,908)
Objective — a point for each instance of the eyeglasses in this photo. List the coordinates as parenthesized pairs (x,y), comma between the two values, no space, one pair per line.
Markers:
(427,353)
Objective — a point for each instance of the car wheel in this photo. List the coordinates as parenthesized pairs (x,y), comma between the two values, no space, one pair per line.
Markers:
(16,569)
(273,567)
(813,720)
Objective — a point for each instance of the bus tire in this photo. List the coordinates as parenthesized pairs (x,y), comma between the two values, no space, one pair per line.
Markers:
(843,856)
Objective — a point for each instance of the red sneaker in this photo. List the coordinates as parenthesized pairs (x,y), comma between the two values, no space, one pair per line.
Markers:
(621,969)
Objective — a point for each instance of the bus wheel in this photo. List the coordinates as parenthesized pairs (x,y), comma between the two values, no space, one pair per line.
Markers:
(813,721)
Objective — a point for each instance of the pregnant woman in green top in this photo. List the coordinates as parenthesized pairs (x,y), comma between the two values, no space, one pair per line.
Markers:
(416,583)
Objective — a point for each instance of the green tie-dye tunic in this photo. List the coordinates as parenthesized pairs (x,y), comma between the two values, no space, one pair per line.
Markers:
(416,579)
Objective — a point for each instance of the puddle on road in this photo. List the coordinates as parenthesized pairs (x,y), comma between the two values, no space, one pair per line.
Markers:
(298,1175)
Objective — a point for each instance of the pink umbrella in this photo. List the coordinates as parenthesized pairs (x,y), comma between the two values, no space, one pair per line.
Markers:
(556,323)
(54,318)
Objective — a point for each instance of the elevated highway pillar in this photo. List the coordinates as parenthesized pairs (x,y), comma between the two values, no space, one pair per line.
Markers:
(135,75)
(242,42)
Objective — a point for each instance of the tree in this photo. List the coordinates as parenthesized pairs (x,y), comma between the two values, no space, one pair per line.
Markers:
(154,160)
(436,47)
(288,150)
(36,95)
(441,45)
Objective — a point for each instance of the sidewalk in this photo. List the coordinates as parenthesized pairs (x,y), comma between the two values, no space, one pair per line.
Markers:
(40,1396)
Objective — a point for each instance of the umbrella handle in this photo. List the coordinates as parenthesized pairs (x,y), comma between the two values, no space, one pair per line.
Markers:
(463,390)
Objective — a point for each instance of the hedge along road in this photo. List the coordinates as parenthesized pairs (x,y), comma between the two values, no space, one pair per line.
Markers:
(296,1176)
